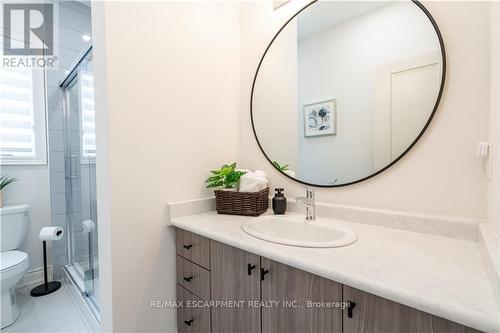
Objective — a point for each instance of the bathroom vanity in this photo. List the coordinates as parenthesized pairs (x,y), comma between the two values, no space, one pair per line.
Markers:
(211,270)
(351,92)
(388,281)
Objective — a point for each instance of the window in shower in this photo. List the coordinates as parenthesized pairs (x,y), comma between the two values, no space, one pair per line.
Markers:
(80,169)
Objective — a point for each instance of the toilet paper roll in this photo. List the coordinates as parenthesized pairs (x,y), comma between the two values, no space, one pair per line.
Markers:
(88,226)
(51,233)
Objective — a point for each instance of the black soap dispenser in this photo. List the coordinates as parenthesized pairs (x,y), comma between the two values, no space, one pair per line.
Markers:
(279,202)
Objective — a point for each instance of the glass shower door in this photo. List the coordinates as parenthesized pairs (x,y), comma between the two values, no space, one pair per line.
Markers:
(81,178)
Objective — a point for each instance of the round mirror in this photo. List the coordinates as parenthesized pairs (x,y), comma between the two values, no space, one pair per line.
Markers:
(346,88)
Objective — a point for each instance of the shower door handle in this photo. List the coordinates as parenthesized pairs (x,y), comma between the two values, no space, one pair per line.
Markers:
(69,166)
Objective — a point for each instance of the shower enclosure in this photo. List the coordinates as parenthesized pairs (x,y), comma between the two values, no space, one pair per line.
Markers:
(80,176)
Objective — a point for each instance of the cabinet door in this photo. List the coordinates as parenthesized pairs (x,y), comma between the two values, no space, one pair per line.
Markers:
(233,280)
(373,314)
(293,289)
(191,319)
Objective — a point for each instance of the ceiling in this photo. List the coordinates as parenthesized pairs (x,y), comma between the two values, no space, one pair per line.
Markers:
(325,14)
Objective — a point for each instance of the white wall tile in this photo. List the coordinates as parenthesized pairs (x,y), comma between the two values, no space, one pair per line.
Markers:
(54,98)
(56,140)
(76,185)
(74,140)
(75,19)
(77,6)
(59,220)
(55,119)
(67,57)
(57,182)
(74,123)
(72,39)
(58,264)
(76,221)
(54,76)
(58,203)
(59,248)
(76,202)
(56,161)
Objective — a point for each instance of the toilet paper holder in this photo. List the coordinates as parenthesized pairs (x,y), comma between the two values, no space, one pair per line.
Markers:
(47,234)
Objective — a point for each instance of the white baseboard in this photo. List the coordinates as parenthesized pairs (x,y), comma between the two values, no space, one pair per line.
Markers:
(34,277)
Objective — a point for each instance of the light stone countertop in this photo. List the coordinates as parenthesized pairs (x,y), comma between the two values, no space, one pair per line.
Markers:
(439,275)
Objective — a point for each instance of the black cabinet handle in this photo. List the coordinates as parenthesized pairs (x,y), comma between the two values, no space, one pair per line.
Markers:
(263,273)
(188,322)
(188,279)
(250,267)
(187,247)
(350,307)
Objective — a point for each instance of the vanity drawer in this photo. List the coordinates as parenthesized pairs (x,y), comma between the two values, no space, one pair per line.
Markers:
(194,278)
(191,319)
(193,247)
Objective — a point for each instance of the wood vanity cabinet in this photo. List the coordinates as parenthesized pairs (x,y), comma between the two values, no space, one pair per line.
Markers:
(373,314)
(288,284)
(235,277)
(210,270)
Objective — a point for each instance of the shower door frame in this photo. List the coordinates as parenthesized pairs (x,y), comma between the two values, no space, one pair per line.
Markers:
(70,269)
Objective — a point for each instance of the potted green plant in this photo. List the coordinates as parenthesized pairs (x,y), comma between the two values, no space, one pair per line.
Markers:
(284,168)
(4,182)
(228,200)
(227,177)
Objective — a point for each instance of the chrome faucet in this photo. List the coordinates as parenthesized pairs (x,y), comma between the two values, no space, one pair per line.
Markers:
(308,200)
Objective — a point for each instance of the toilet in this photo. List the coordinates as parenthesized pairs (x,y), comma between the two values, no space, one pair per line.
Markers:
(14,264)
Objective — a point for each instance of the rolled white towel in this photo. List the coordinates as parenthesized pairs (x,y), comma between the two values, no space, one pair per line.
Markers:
(260,173)
(250,182)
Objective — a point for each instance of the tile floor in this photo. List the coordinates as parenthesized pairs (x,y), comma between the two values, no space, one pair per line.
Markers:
(51,313)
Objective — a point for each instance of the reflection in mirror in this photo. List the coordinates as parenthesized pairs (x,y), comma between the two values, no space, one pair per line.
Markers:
(346,88)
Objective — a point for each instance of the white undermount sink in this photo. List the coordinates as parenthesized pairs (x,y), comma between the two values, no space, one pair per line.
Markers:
(295,231)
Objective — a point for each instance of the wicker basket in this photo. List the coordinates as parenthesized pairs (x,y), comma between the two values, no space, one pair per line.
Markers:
(242,203)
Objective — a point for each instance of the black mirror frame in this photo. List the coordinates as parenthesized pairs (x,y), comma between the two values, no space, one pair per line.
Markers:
(438,99)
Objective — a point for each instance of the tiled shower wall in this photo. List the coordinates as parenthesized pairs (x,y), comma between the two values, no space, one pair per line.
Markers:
(74,22)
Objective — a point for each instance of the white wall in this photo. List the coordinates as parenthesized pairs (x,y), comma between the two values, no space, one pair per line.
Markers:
(167,94)
(340,62)
(441,175)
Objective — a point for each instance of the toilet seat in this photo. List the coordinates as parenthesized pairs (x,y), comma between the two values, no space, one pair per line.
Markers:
(12,260)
